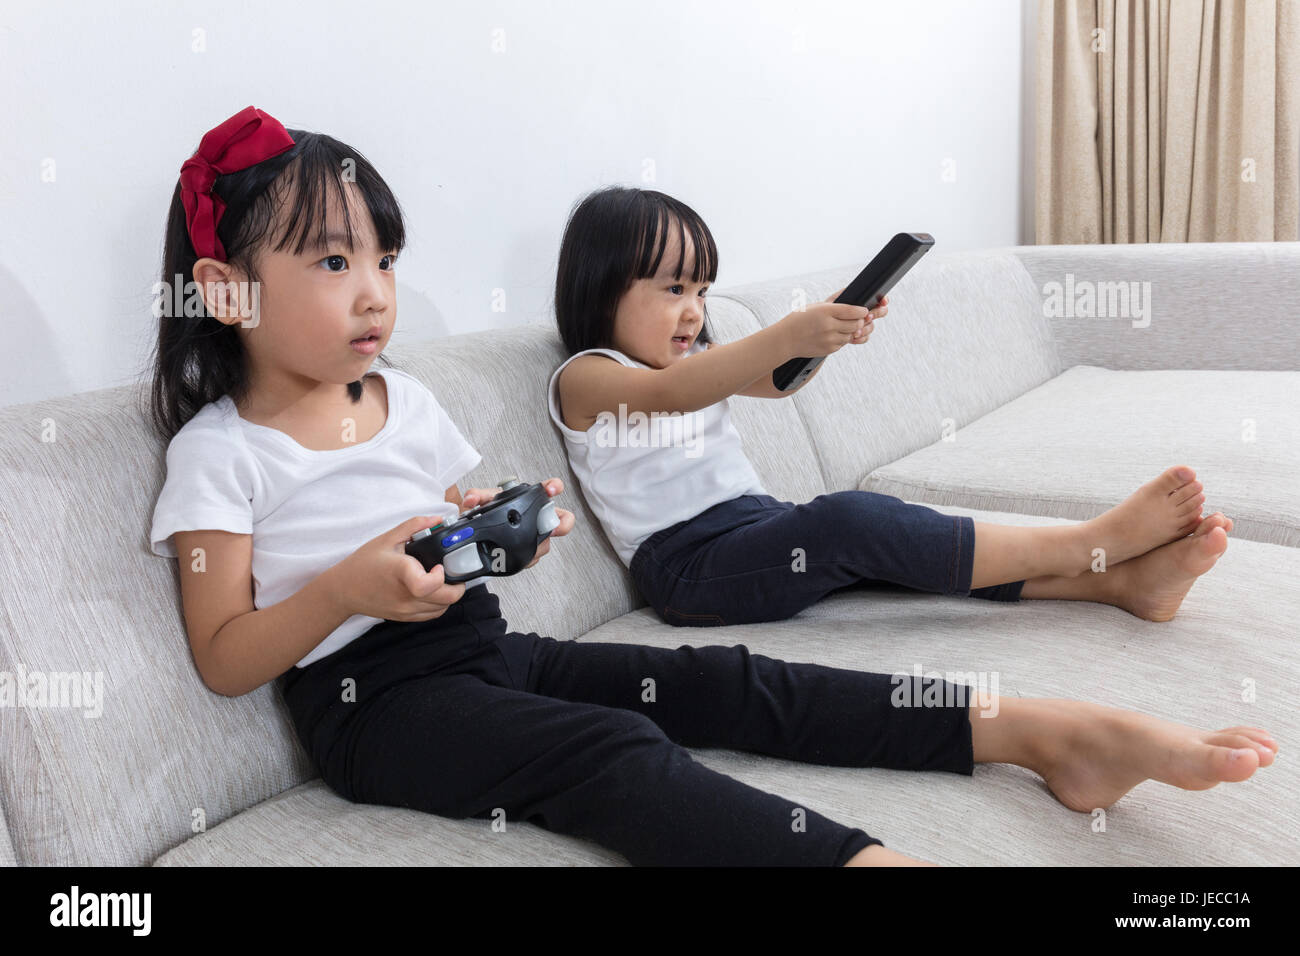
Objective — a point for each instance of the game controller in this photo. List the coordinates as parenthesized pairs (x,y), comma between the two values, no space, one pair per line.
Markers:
(496,539)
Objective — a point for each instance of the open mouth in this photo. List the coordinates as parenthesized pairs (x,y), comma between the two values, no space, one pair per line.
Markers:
(682,341)
(367,344)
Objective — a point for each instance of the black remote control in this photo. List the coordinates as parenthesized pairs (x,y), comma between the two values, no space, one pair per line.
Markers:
(871,285)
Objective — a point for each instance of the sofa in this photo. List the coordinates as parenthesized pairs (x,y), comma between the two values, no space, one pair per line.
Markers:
(978,395)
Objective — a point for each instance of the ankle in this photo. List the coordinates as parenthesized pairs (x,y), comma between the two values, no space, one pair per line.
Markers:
(1109,585)
(1074,549)
(1016,733)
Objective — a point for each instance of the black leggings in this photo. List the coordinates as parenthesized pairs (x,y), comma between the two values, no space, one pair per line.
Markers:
(459,718)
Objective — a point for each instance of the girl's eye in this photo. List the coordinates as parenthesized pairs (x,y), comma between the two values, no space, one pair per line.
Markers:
(342,262)
(675,289)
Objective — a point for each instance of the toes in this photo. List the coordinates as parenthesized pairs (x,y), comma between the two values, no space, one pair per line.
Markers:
(1233,738)
(1219,538)
(1231,764)
(1181,495)
(1216,520)
(1191,506)
(1206,550)
(1256,734)
(1243,742)
(1176,477)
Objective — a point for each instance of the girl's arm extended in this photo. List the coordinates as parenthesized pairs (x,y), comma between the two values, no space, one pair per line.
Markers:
(595,383)
(762,386)
(592,384)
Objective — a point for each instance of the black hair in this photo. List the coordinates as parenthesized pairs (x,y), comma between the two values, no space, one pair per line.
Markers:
(199,359)
(615,236)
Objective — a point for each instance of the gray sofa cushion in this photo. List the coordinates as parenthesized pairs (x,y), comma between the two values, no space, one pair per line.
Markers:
(311,825)
(1214,305)
(964,334)
(1085,440)
(1189,670)
(83,593)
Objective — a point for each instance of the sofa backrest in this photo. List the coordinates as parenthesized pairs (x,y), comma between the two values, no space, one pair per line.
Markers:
(1172,305)
(964,335)
(79,476)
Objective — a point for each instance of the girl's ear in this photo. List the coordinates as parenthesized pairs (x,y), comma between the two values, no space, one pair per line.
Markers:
(227,296)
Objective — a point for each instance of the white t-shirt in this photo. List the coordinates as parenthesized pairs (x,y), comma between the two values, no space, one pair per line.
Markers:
(643,473)
(307,510)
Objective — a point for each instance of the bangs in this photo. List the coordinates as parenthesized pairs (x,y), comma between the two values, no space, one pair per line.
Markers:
(314,179)
(656,220)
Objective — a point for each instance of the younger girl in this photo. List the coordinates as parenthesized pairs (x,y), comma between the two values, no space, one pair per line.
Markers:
(294,476)
(684,508)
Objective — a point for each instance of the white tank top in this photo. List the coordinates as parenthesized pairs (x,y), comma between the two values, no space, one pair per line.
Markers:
(641,473)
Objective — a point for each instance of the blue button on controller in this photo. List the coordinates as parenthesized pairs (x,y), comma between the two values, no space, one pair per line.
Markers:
(458,537)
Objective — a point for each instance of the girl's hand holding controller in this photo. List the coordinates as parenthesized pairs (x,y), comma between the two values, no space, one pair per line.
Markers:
(824,327)
(381,580)
(476,496)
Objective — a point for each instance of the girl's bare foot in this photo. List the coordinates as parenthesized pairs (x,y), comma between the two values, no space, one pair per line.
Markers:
(1163,510)
(1090,755)
(1153,585)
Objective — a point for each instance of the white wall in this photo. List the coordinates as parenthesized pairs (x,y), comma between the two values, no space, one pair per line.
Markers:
(806,134)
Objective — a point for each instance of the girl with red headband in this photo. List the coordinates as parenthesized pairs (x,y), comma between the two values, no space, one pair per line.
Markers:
(287,462)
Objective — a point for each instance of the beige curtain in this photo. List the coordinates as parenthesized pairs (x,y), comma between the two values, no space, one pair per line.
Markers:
(1168,121)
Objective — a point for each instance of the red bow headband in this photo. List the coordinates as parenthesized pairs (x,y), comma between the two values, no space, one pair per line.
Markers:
(244,140)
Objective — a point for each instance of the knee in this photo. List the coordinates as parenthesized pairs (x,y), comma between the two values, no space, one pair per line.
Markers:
(624,745)
(627,727)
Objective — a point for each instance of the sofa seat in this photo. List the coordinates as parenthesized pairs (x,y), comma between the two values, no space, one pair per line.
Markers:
(311,825)
(1232,628)
(1084,440)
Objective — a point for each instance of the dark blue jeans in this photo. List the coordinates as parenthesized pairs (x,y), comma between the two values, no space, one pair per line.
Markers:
(757,559)
(461,717)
